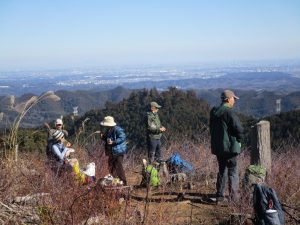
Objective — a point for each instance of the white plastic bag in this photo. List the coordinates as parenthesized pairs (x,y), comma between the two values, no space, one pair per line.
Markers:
(90,169)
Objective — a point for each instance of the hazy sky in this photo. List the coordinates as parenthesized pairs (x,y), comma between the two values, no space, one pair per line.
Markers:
(61,33)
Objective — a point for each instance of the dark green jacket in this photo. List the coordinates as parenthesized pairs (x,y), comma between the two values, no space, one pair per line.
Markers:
(153,125)
(225,130)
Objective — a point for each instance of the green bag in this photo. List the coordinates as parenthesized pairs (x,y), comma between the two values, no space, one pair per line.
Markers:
(150,176)
(254,174)
(257,170)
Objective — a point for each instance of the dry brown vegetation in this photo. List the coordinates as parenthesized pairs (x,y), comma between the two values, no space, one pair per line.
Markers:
(63,200)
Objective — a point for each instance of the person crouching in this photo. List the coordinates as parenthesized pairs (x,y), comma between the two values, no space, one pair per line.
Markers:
(59,153)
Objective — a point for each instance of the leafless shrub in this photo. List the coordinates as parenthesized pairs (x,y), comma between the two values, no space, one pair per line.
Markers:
(74,203)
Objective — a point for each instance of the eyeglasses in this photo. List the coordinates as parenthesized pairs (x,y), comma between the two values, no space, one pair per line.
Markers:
(58,125)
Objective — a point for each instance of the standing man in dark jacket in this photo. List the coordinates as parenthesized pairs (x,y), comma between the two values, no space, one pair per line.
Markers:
(226,134)
(115,147)
(155,130)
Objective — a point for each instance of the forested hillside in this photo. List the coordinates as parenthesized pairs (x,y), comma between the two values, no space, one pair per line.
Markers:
(285,129)
(257,104)
(183,114)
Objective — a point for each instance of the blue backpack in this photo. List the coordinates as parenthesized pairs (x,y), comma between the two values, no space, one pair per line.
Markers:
(268,210)
(177,165)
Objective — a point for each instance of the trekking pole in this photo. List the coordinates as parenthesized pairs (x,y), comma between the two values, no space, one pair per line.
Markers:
(147,196)
(290,207)
(126,202)
(290,215)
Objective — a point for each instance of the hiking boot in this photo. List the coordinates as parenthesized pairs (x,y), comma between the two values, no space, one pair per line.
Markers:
(222,201)
(160,160)
(234,199)
(155,163)
(216,198)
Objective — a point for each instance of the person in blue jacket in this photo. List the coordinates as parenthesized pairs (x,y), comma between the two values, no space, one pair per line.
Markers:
(58,156)
(115,147)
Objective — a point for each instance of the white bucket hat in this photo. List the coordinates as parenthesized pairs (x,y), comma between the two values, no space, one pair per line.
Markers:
(108,122)
(58,121)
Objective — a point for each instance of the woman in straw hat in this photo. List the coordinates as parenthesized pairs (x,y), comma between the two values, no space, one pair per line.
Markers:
(115,147)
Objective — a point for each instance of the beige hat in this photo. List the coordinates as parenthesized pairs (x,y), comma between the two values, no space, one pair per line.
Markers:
(228,94)
(57,134)
(58,121)
(108,121)
(154,104)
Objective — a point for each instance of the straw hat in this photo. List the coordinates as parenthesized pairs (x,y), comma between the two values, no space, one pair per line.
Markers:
(108,122)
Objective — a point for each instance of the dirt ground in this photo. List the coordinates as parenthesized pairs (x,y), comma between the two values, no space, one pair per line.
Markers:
(177,204)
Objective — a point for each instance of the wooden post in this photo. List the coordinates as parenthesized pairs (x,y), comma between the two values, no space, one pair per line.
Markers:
(261,145)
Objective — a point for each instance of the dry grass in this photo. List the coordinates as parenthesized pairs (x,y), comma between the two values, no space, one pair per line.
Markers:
(73,203)
(11,140)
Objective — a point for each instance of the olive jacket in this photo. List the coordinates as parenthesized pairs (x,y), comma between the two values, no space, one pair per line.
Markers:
(225,130)
(153,126)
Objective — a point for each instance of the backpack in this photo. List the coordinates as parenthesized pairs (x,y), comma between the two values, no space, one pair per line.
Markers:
(49,145)
(267,208)
(150,176)
(178,165)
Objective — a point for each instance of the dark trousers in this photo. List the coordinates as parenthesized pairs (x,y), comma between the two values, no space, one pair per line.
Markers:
(154,151)
(115,166)
(59,169)
(228,166)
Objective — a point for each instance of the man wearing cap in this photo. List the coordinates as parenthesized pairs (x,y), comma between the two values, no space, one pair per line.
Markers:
(226,134)
(59,126)
(115,147)
(155,130)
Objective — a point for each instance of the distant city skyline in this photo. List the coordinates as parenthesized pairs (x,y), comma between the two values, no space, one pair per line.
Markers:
(51,34)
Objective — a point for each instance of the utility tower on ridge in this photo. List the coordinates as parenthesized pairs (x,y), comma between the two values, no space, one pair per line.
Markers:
(75,111)
(278,106)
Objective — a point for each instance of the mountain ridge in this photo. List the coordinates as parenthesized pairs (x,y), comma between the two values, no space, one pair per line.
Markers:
(253,103)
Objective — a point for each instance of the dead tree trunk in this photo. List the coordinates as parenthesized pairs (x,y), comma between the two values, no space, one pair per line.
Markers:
(261,145)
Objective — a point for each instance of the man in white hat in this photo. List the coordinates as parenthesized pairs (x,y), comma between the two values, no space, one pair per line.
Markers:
(155,130)
(226,135)
(59,126)
(115,147)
